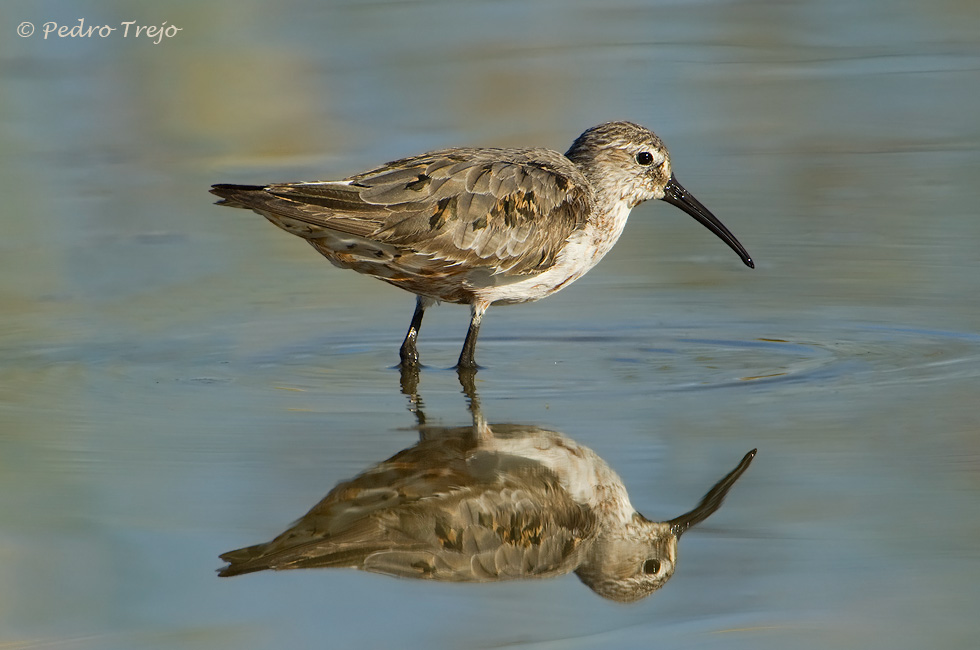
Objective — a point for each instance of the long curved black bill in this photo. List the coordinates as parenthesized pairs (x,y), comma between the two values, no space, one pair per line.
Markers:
(712,500)
(675,194)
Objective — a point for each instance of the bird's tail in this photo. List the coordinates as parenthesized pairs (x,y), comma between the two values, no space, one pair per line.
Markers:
(242,561)
(234,196)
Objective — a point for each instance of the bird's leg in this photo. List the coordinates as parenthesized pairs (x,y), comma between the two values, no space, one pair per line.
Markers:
(467,379)
(408,352)
(466,360)
(410,388)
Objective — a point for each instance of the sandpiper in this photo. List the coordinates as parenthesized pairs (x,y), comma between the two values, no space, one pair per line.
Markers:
(486,503)
(481,226)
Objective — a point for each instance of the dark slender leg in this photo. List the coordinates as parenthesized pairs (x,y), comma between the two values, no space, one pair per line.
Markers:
(466,360)
(410,388)
(408,352)
(467,379)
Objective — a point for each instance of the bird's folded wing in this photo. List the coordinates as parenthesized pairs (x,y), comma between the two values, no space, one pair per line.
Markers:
(510,209)
(462,536)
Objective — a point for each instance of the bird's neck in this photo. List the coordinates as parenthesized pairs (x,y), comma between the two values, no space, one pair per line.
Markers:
(608,221)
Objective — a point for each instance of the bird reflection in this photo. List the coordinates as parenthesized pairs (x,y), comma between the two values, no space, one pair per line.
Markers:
(483,503)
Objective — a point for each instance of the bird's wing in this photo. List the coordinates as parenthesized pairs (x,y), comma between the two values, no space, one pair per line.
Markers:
(510,209)
(347,524)
(494,535)
(469,537)
(438,510)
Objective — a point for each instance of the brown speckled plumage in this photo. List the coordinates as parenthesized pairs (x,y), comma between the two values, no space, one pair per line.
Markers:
(487,503)
(480,226)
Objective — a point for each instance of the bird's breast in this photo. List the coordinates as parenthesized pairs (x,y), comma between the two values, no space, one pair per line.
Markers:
(580,252)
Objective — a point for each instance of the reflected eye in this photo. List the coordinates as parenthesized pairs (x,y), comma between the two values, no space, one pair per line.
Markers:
(651,567)
(644,158)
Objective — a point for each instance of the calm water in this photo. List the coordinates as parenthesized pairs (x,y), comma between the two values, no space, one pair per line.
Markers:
(179,380)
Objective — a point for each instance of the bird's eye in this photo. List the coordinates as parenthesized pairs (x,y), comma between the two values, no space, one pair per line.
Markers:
(651,567)
(644,158)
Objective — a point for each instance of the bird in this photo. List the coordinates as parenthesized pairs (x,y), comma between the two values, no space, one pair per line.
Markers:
(487,503)
(481,226)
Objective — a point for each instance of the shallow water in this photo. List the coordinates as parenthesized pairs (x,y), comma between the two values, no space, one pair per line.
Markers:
(179,380)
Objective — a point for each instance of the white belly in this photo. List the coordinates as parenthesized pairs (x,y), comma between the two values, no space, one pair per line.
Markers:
(582,251)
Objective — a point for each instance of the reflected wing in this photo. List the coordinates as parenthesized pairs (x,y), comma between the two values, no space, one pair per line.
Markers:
(506,208)
(463,535)
(492,536)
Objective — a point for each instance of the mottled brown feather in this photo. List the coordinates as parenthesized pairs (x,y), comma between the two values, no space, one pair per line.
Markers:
(441,510)
(498,209)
